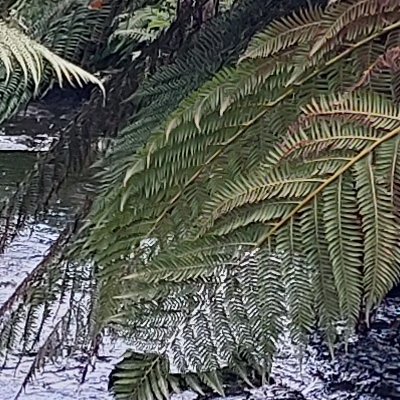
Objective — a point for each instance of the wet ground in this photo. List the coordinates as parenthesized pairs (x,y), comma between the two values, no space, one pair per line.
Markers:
(370,370)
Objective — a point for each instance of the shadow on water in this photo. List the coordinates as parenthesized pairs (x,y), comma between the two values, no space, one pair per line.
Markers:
(13,167)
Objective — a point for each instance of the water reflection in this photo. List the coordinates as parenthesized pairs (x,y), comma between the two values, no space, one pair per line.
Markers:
(33,126)
(13,166)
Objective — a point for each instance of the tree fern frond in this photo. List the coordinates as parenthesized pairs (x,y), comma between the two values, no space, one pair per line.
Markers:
(47,349)
(242,216)
(237,314)
(19,50)
(277,184)
(344,21)
(322,137)
(340,219)
(140,376)
(296,276)
(239,133)
(317,256)
(265,198)
(367,109)
(191,259)
(379,227)
(389,60)
(221,325)
(296,29)
(227,87)
(365,152)
(271,299)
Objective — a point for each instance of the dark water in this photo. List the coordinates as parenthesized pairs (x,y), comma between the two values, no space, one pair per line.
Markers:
(370,370)
(32,131)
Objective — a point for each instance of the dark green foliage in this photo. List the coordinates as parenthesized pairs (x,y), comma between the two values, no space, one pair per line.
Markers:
(148,376)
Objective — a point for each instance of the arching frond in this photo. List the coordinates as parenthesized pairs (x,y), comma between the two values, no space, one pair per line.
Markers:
(307,199)
(281,35)
(18,51)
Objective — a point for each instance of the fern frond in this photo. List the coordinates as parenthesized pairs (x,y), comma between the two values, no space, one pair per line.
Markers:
(296,276)
(140,376)
(344,245)
(191,259)
(45,350)
(296,29)
(18,49)
(379,226)
(367,109)
(271,300)
(317,256)
(234,138)
(265,197)
(349,20)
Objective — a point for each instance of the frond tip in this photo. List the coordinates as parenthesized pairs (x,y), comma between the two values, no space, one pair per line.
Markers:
(20,53)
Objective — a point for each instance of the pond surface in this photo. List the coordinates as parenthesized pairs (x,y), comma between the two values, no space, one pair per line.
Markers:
(31,131)
(58,382)
(371,369)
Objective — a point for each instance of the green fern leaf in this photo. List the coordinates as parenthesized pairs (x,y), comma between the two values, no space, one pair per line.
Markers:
(344,244)
(296,29)
(379,227)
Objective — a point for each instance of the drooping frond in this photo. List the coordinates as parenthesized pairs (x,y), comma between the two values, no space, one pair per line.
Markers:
(180,78)
(77,132)
(17,51)
(350,20)
(307,198)
(78,143)
(53,287)
(47,24)
(46,350)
